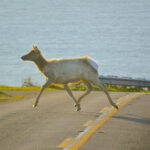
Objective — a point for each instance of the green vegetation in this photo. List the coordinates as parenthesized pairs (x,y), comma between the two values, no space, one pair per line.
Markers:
(3,93)
(78,87)
(113,88)
(13,88)
(121,88)
(5,97)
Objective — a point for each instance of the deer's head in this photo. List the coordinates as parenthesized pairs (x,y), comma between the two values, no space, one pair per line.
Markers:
(33,54)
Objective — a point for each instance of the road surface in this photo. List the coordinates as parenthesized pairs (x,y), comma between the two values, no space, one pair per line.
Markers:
(56,125)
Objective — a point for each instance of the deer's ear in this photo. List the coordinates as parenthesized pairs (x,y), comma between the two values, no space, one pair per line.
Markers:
(34,47)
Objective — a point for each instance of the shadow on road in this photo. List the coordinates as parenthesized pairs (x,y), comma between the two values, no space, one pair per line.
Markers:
(133,119)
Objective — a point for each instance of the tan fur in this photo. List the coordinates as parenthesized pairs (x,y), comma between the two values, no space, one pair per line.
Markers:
(67,70)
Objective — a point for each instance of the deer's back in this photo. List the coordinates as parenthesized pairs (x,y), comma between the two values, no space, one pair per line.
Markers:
(69,70)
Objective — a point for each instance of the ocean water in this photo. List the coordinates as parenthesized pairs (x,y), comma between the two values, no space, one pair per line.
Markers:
(116,33)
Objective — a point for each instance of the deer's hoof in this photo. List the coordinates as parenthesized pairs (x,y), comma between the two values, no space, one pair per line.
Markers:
(115,106)
(34,105)
(75,105)
(78,107)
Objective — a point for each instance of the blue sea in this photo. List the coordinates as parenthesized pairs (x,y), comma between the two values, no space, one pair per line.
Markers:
(116,33)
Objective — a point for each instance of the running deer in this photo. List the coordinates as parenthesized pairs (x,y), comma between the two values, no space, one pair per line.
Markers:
(67,70)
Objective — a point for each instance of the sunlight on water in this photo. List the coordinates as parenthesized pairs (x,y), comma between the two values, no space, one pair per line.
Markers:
(114,32)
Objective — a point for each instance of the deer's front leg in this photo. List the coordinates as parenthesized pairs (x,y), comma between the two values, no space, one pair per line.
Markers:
(48,82)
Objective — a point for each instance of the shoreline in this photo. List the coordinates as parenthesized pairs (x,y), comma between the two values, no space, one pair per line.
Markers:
(14,93)
(78,87)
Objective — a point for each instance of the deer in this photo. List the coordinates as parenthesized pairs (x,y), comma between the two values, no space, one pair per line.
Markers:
(65,71)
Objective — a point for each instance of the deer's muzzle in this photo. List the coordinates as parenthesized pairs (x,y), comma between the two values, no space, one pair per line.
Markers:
(23,57)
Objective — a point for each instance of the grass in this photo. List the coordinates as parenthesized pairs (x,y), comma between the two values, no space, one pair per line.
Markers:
(5,97)
(3,93)
(119,88)
(113,88)
(13,88)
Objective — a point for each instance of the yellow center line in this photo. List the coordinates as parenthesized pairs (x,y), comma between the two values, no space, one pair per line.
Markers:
(104,109)
(79,141)
(91,131)
(87,123)
(123,97)
(120,99)
(126,101)
(65,143)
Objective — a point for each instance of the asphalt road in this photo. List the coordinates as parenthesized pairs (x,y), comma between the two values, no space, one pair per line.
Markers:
(55,124)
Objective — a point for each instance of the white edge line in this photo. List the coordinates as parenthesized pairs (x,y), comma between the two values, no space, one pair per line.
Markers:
(101,116)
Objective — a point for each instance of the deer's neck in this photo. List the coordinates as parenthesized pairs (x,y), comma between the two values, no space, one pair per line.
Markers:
(41,62)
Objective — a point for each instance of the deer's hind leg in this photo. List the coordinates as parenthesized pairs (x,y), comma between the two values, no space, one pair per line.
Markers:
(70,93)
(102,86)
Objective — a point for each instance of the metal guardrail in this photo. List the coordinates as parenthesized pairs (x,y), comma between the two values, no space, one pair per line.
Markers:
(125,81)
